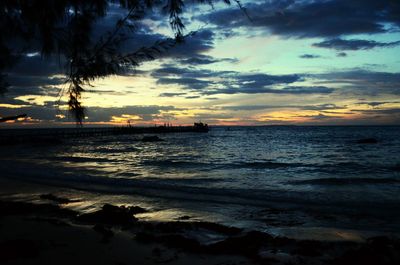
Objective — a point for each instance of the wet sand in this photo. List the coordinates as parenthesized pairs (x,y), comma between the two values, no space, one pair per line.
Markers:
(48,232)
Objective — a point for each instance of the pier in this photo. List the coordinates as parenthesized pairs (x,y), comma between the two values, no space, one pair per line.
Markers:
(53,135)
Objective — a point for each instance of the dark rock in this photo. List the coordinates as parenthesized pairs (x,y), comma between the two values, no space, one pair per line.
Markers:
(309,248)
(145,237)
(223,229)
(17,249)
(151,139)
(53,221)
(110,214)
(60,200)
(184,218)
(174,227)
(23,208)
(181,242)
(367,141)
(377,250)
(247,245)
(136,210)
(106,232)
(171,240)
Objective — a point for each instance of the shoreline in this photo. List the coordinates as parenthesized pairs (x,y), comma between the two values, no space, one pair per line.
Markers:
(301,222)
(35,226)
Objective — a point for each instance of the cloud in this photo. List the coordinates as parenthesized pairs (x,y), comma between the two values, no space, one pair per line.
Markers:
(229,82)
(189,83)
(362,82)
(323,107)
(302,19)
(192,97)
(318,117)
(41,113)
(171,70)
(250,107)
(146,113)
(353,45)
(262,80)
(167,94)
(201,59)
(320,107)
(391,111)
(48,112)
(377,103)
(202,41)
(309,56)
(296,90)
(34,76)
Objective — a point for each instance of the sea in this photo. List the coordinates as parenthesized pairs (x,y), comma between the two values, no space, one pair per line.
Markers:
(299,181)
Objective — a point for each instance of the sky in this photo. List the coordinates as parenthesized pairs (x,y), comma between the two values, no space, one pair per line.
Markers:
(286,62)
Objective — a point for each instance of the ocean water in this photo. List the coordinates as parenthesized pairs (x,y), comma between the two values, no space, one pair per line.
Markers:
(273,178)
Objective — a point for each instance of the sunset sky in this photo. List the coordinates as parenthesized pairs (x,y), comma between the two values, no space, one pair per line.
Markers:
(290,62)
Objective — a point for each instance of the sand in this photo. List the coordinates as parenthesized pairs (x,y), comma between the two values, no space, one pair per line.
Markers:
(47,232)
(41,225)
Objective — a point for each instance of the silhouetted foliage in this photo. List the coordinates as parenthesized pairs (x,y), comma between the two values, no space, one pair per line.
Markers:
(64,28)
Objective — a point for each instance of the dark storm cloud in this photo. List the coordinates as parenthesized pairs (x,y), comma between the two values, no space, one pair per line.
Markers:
(250,107)
(200,42)
(205,59)
(144,36)
(295,90)
(377,103)
(391,111)
(309,56)
(95,114)
(36,66)
(323,107)
(343,45)
(33,75)
(362,82)
(262,80)
(320,107)
(12,101)
(43,113)
(169,94)
(312,18)
(189,83)
(168,70)
(203,82)
(210,116)
(318,117)
(146,113)
(34,82)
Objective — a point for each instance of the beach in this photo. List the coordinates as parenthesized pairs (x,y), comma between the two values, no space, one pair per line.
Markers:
(48,228)
(118,200)
(48,232)
(200,132)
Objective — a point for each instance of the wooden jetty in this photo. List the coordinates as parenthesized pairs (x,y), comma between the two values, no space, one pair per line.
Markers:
(54,135)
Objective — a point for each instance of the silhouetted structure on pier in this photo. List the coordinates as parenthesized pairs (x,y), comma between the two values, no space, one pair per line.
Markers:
(49,136)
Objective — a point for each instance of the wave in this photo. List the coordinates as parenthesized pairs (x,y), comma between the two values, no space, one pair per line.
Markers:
(341,181)
(78,159)
(115,150)
(176,164)
(161,188)
(248,165)
(327,168)
(267,165)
